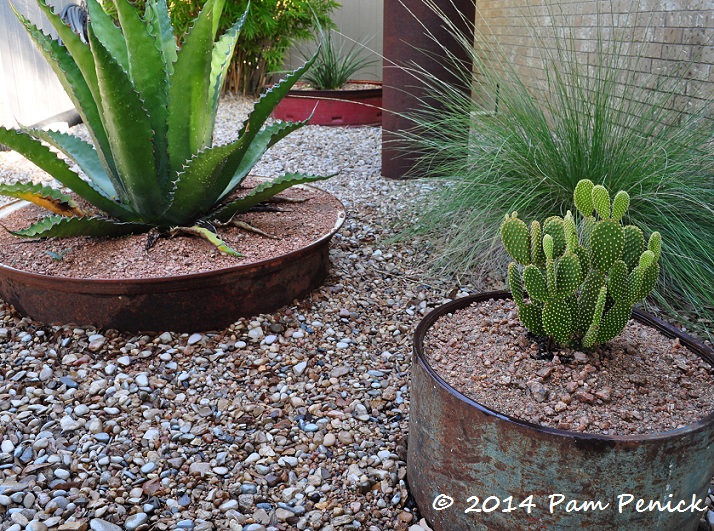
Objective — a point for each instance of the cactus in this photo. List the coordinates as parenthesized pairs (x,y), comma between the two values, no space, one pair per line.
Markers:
(581,283)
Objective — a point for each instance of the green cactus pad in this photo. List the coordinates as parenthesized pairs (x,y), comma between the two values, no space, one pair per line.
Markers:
(554,226)
(634,285)
(548,246)
(590,338)
(516,239)
(537,256)
(583,257)
(647,258)
(617,282)
(649,281)
(571,232)
(589,292)
(655,244)
(531,315)
(620,204)
(613,322)
(568,275)
(557,320)
(515,283)
(583,197)
(586,230)
(601,200)
(535,283)
(607,242)
(634,245)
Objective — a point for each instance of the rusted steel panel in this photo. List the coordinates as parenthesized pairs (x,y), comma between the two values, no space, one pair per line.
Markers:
(460,449)
(407,43)
(187,303)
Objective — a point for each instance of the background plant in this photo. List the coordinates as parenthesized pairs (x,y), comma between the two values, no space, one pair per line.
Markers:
(150,107)
(596,116)
(335,64)
(271,30)
(581,284)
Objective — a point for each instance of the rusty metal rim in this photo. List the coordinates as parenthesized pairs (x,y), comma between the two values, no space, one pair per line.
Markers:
(188,281)
(691,343)
(339,94)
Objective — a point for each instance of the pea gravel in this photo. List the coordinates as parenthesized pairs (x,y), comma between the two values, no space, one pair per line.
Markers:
(292,420)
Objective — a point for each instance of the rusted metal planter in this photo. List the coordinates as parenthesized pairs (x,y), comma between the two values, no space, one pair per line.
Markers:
(459,449)
(362,106)
(185,303)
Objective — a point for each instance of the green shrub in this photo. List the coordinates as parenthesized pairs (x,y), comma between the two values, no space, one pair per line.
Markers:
(522,147)
(272,28)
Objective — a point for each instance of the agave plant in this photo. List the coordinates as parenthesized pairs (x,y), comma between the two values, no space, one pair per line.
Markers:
(150,107)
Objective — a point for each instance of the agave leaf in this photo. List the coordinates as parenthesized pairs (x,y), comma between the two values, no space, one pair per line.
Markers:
(188,92)
(198,186)
(220,61)
(108,33)
(147,70)
(43,196)
(269,100)
(83,154)
(35,151)
(238,164)
(264,140)
(262,192)
(130,135)
(159,24)
(210,236)
(77,74)
(63,227)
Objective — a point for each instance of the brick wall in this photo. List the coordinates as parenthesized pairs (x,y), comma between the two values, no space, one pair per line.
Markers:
(665,36)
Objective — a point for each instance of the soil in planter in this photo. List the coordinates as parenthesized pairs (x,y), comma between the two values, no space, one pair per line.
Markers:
(297,225)
(639,383)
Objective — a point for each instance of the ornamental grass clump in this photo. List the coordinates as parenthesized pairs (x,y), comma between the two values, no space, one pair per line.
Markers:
(513,144)
(581,283)
(334,65)
(150,108)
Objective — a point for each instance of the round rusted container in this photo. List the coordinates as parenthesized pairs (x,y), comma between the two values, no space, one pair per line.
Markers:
(185,303)
(459,450)
(353,107)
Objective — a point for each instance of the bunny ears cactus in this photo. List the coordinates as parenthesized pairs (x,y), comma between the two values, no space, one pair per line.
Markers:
(150,108)
(581,284)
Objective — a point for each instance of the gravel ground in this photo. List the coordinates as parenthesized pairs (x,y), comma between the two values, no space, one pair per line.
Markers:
(293,420)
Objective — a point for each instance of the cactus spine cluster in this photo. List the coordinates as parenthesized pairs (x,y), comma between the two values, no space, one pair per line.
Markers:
(581,280)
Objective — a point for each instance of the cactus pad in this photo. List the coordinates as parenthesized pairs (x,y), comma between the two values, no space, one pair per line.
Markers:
(634,245)
(584,198)
(555,227)
(568,275)
(606,244)
(601,199)
(620,205)
(535,284)
(516,239)
(557,320)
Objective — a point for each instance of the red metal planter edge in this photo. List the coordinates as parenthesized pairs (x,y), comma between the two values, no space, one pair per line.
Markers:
(459,449)
(350,108)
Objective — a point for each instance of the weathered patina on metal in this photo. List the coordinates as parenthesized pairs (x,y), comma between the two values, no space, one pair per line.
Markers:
(459,450)
(186,303)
